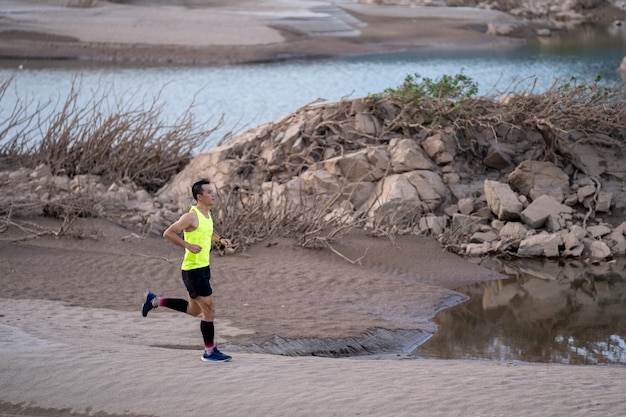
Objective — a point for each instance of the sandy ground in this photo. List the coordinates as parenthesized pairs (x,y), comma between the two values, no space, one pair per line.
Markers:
(72,339)
(237,31)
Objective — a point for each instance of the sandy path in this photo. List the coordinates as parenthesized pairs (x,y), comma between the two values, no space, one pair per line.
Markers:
(72,337)
(100,361)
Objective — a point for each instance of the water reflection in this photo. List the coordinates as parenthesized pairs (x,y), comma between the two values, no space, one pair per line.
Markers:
(545,312)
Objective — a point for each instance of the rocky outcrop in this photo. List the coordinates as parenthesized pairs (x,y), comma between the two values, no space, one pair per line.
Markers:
(536,18)
(350,158)
(526,208)
(555,10)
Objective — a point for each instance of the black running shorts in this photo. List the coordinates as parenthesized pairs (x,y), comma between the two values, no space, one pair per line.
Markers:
(197,282)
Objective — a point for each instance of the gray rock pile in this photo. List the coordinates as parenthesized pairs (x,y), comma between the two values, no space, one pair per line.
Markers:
(553,13)
(37,192)
(425,184)
(348,157)
(537,9)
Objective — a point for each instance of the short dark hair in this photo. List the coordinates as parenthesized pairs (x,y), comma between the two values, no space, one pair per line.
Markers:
(197,188)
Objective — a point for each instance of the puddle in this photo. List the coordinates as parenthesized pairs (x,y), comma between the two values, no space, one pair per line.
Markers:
(544,312)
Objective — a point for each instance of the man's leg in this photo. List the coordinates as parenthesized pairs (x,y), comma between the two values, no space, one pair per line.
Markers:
(151,301)
(207,307)
(177,304)
(207,328)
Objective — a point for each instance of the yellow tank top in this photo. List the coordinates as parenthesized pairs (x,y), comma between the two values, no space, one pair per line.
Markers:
(200,236)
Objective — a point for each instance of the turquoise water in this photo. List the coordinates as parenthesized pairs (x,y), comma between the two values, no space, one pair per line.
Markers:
(249,95)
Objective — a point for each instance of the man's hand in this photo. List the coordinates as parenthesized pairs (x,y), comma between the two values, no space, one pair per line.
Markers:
(194,248)
(225,242)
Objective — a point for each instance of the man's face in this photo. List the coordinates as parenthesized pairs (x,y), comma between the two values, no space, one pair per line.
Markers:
(208,194)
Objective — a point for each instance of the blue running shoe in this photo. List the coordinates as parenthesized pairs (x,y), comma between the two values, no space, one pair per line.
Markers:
(148,305)
(215,356)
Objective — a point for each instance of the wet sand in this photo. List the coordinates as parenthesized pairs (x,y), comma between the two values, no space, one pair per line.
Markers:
(231,32)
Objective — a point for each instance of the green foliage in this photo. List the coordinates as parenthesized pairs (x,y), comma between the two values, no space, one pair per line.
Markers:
(593,89)
(416,88)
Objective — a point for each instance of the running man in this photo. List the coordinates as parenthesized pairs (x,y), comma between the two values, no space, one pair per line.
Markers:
(198,236)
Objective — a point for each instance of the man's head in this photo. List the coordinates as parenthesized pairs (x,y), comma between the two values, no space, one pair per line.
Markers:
(200,187)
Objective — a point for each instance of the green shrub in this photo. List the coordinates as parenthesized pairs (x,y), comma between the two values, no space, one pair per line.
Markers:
(416,88)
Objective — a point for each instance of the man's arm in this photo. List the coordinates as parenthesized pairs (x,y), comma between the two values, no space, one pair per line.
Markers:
(187,221)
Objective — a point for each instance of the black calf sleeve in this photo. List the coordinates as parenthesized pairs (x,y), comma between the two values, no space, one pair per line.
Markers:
(208,332)
(177,304)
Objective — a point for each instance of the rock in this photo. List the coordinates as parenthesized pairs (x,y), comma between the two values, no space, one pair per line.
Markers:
(498,159)
(554,223)
(272,156)
(465,224)
(354,167)
(406,156)
(543,244)
(477,249)
(430,188)
(598,231)
(599,250)
(438,149)
(505,28)
(451,210)
(584,192)
(358,192)
(553,191)
(41,171)
(320,182)
(617,242)
(395,192)
(368,124)
(451,178)
(571,200)
(434,225)
(591,159)
(466,205)
(536,214)
(575,252)
(531,173)
(513,230)
(502,201)
(434,145)
(281,195)
(603,202)
(484,212)
(481,237)
(571,240)
(544,33)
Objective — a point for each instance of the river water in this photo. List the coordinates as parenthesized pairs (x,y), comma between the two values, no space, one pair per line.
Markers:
(249,95)
(525,317)
(545,311)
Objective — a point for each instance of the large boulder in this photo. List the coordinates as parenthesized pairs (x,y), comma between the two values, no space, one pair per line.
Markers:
(594,154)
(536,214)
(543,244)
(358,166)
(415,191)
(440,147)
(406,156)
(531,173)
(502,201)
